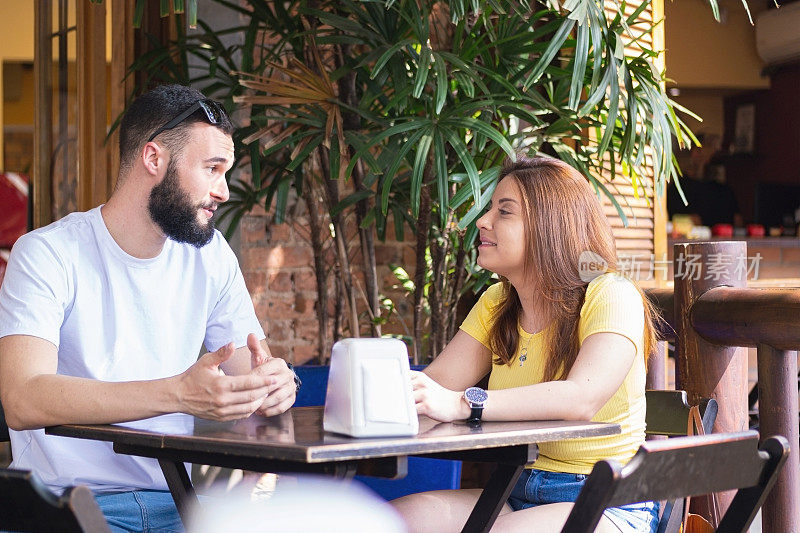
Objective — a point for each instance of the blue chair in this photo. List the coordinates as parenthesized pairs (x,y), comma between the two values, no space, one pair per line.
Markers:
(315,385)
(423,474)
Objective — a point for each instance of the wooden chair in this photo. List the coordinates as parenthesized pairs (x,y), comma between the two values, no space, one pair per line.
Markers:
(668,415)
(26,504)
(685,466)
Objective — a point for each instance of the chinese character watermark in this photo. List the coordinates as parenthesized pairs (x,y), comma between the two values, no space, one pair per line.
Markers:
(687,266)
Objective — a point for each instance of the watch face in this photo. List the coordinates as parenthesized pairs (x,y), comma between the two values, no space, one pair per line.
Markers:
(475,395)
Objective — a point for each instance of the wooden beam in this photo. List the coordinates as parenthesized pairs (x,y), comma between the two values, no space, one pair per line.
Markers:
(660,215)
(122,42)
(704,369)
(42,178)
(93,186)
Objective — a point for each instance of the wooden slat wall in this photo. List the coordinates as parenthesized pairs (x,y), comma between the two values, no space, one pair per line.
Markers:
(644,238)
(97,160)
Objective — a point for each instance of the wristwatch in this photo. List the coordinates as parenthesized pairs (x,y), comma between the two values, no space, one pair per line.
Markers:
(476,399)
(297,382)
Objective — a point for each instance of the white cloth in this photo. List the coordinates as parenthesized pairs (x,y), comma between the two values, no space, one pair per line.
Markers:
(114,317)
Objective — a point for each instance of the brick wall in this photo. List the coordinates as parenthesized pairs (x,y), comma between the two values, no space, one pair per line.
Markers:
(277,261)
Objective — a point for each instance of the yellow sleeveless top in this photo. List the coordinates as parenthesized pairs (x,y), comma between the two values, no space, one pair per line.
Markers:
(612,304)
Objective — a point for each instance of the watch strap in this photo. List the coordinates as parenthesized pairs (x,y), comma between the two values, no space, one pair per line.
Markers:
(475,413)
(297,381)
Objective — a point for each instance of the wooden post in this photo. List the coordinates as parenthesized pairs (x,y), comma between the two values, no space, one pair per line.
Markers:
(93,182)
(122,41)
(656,367)
(777,408)
(703,369)
(42,180)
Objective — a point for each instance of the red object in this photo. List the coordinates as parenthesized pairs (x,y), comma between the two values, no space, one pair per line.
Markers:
(755,230)
(14,206)
(722,230)
(2,265)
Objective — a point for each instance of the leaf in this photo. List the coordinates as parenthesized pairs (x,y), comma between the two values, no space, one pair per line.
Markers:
(418,172)
(281,201)
(552,49)
(611,120)
(302,150)
(465,193)
(466,160)
(191,13)
(442,181)
(350,200)
(138,13)
(397,215)
(387,55)
(639,10)
(422,71)
(394,130)
(579,66)
(255,165)
(389,175)
(441,83)
(476,210)
(496,136)
(465,83)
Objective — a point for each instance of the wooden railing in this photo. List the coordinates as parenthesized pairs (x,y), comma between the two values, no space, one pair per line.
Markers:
(710,317)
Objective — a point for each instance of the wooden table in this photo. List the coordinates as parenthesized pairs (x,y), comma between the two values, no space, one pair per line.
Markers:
(296,442)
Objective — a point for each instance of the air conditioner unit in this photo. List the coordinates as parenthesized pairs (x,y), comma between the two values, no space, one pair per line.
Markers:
(778,34)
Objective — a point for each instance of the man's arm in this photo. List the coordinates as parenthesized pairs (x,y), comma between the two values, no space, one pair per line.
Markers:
(257,357)
(34,396)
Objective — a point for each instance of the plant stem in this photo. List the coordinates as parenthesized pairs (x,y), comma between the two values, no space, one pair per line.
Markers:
(332,198)
(348,94)
(315,222)
(423,230)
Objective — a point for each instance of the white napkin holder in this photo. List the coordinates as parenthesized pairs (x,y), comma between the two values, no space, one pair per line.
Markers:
(369,390)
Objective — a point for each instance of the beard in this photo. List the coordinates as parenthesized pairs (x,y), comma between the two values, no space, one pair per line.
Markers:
(173,211)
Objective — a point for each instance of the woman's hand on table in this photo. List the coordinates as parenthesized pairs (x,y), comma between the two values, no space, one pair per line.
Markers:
(437,402)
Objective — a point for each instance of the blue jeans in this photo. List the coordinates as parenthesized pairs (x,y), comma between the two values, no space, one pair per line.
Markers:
(140,510)
(537,487)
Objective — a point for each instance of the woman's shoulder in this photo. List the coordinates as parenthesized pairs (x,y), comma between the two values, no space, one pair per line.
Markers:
(494,292)
(611,284)
(491,297)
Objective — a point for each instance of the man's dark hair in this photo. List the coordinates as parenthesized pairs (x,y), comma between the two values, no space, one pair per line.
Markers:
(154,109)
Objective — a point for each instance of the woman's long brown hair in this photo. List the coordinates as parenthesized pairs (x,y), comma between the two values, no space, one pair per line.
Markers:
(564,218)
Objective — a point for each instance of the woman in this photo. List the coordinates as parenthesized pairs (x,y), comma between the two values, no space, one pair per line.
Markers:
(563,337)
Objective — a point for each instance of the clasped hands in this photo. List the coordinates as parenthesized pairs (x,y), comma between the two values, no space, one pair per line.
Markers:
(204,390)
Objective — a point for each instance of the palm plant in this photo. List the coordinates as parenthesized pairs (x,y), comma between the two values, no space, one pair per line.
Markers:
(414,104)
(440,92)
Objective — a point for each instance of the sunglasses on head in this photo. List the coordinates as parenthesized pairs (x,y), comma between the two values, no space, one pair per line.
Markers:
(212,109)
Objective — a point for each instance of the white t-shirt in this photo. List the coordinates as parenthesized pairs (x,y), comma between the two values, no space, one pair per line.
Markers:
(114,317)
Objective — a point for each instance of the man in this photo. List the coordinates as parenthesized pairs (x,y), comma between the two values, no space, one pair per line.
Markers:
(103,313)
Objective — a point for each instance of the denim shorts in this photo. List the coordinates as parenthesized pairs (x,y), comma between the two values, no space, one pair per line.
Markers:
(537,487)
(140,510)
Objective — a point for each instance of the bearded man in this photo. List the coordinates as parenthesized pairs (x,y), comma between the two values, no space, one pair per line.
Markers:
(103,314)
